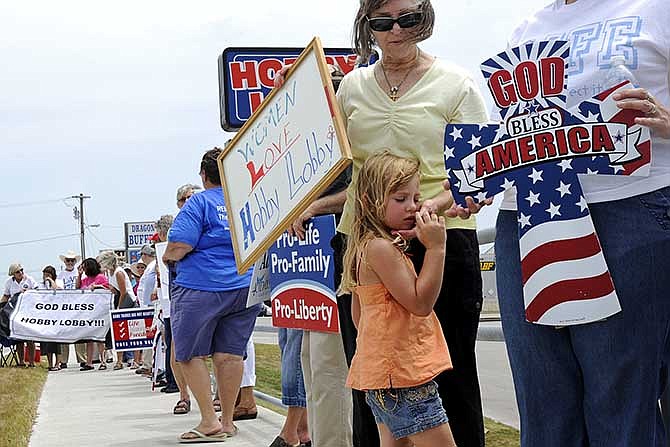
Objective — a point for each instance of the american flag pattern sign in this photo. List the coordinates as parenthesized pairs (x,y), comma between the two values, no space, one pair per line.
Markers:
(539,147)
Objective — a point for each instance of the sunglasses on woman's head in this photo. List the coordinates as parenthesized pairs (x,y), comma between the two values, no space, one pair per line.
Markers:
(408,20)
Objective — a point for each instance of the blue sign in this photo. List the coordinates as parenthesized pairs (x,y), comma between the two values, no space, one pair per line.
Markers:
(246,76)
(301,278)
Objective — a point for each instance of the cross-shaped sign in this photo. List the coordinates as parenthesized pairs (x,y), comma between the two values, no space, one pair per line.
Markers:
(540,147)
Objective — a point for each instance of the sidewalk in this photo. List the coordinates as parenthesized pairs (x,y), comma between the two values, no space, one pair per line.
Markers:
(118,408)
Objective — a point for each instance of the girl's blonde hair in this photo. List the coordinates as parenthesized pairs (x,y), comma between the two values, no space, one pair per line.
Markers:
(381,175)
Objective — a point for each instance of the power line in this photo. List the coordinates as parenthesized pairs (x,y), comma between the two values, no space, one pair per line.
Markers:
(36,202)
(31,241)
(100,241)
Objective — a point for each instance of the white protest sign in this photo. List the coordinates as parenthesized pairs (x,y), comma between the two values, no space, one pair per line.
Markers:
(286,154)
(259,289)
(61,316)
(164,274)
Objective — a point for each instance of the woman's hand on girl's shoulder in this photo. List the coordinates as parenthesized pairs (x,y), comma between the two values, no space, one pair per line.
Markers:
(431,230)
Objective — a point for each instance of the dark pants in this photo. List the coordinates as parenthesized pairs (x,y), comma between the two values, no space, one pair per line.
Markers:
(365,432)
(458,308)
(169,376)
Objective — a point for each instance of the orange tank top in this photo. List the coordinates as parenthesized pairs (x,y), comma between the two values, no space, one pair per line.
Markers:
(395,348)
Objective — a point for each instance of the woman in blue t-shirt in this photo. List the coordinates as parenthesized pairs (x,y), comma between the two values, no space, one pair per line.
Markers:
(209,313)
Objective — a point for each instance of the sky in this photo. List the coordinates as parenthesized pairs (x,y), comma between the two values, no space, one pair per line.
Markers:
(119,101)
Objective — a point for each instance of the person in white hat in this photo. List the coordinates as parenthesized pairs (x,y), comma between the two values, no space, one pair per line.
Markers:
(18,282)
(68,277)
(69,274)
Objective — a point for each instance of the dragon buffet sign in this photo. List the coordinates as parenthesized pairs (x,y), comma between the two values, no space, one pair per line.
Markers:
(539,148)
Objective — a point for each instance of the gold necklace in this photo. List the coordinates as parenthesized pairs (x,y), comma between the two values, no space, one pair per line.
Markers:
(393,89)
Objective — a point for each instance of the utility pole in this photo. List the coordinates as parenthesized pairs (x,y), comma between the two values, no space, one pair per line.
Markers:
(81,198)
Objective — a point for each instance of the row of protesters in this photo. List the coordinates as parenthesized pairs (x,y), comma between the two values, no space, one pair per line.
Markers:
(401,103)
(200,245)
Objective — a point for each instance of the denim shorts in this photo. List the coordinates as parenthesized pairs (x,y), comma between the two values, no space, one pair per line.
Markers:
(292,380)
(407,411)
(207,322)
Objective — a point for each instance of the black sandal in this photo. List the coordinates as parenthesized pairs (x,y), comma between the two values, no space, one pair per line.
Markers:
(182,407)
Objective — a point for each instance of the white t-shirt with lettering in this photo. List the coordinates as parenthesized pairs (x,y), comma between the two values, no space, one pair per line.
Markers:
(599,30)
(69,278)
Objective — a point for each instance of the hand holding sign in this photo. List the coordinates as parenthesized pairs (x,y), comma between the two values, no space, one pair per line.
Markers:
(539,148)
(656,116)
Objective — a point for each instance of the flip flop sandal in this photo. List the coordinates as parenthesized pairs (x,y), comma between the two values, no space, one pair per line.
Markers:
(243,414)
(201,437)
(182,407)
(230,434)
(118,366)
(102,367)
(280,442)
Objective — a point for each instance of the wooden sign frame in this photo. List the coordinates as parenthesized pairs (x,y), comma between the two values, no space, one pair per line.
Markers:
(244,257)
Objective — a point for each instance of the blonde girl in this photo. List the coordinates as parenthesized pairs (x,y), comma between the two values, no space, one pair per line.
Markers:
(400,344)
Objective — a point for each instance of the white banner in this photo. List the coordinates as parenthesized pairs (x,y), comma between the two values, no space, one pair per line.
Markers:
(61,316)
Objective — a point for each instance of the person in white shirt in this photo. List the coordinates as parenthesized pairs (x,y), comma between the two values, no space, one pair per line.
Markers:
(68,277)
(19,282)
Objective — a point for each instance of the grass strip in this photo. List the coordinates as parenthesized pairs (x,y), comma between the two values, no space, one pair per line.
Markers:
(268,381)
(20,390)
